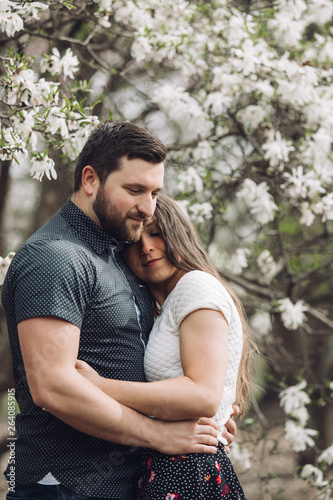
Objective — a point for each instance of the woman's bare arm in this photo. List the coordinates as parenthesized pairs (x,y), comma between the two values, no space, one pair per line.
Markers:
(204,351)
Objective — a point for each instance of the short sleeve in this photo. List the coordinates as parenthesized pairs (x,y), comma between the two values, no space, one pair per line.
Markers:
(199,290)
(52,278)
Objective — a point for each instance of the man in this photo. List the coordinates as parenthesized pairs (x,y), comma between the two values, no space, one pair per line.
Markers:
(68,295)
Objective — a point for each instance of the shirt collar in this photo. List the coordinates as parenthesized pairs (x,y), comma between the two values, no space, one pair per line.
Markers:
(93,235)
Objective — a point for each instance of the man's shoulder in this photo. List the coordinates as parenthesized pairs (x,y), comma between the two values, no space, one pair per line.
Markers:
(56,233)
(55,229)
(55,241)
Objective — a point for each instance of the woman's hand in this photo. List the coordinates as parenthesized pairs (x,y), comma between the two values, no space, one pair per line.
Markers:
(88,372)
(231,428)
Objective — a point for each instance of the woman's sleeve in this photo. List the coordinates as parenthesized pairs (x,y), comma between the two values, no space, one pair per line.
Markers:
(200,290)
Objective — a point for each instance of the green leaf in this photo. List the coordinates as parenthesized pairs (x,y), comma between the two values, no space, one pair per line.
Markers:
(3,140)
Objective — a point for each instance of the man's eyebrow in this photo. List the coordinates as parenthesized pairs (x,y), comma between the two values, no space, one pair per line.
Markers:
(141,186)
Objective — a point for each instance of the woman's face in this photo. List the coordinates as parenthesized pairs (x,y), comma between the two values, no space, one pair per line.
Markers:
(148,260)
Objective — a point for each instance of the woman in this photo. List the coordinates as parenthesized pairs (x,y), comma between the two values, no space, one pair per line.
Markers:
(197,357)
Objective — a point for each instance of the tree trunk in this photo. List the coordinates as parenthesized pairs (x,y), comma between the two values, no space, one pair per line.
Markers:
(4,186)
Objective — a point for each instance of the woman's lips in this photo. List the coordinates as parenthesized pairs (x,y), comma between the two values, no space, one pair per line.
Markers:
(152,262)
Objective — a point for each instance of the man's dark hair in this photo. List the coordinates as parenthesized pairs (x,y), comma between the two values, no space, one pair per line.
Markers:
(111,141)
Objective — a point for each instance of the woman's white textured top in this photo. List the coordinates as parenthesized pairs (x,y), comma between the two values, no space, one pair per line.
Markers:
(195,290)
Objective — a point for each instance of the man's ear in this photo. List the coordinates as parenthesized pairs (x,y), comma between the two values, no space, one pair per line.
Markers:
(90,180)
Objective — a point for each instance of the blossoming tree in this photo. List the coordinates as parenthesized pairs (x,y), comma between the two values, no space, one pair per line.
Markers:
(241,93)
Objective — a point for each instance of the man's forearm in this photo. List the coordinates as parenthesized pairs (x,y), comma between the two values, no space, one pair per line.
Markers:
(83,406)
(80,404)
(49,349)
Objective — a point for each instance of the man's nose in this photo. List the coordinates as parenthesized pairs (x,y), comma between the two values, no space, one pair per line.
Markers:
(147,205)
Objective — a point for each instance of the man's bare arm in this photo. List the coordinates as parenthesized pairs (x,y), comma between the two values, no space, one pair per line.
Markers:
(49,347)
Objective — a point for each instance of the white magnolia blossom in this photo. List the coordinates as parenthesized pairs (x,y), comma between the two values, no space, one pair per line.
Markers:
(57,121)
(315,153)
(294,397)
(301,184)
(13,14)
(321,49)
(128,14)
(295,9)
(176,102)
(56,64)
(261,323)
(238,261)
(324,207)
(240,457)
(268,267)
(289,23)
(103,12)
(25,127)
(73,120)
(74,143)
(22,83)
(42,165)
(277,149)
(199,212)
(307,215)
(169,96)
(31,9)
(309,471)
(203,151)
(10,23)
(325,493)
(15,145)
(217,103)
(52,63)
(189,180)
(300,85)
(258,199)
(320,11)
(292,315)
(183,205)
(299,437)
(300,414)
(141,48)
(327,455)
(252,116)
(104,5)
(4,265)
(45,93)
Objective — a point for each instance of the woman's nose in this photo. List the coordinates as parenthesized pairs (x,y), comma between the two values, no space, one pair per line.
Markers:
(146,245)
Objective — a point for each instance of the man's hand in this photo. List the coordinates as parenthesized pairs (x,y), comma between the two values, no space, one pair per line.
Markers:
(231,428)
(189,436)
(175,437)
(88,372)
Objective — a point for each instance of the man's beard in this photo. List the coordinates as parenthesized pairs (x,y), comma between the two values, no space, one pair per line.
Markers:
(113,222)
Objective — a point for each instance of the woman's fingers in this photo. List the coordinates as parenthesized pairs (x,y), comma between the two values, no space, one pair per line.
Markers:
(236,411)
(230,428)
(210,422)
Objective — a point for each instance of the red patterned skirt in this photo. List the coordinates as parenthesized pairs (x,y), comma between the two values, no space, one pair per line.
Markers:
(187,477)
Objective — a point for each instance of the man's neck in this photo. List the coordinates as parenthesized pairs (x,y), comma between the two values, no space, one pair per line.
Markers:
(84,204)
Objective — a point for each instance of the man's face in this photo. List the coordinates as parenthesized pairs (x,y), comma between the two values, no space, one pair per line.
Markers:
(127,199)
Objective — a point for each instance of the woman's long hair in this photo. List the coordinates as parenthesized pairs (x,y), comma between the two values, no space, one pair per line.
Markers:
(185,251)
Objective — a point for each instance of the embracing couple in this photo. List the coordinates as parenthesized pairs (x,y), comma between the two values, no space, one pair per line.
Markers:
(128,348)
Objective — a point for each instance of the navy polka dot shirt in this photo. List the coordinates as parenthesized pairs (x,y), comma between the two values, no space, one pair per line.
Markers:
(71,269)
